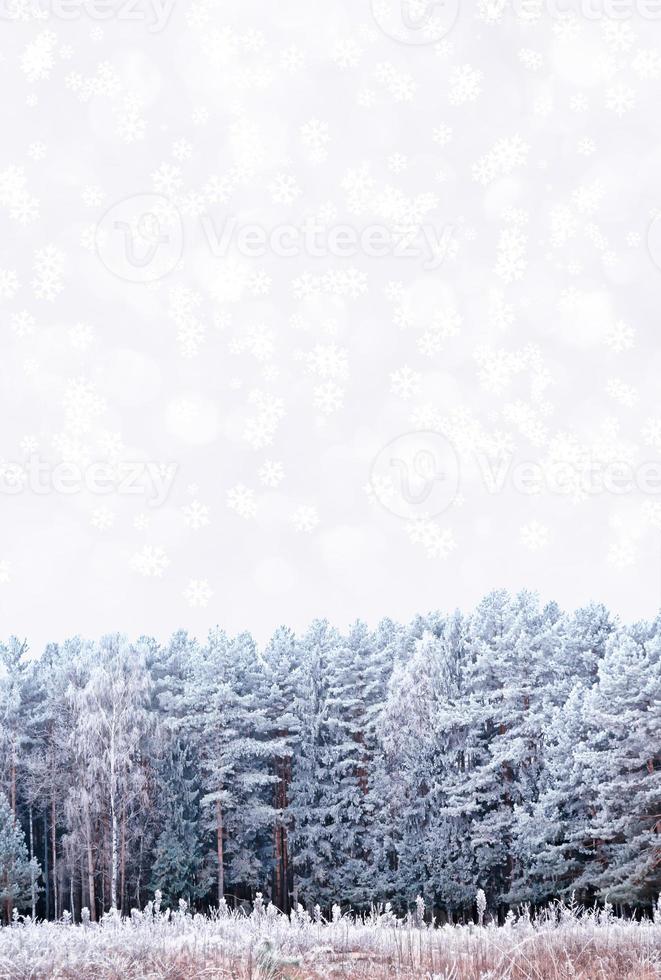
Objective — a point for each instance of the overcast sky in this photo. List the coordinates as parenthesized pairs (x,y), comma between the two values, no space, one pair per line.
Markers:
(333,309)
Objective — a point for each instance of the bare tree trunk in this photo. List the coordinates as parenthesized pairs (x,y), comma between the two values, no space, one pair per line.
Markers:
(90,862)
(71,887)
(46,874)
(113,860)
(113,818)
(219,835)
(277,864)
(122,861)
(281,884)
(139,878)
(33,889)
(286,873)
(54,848)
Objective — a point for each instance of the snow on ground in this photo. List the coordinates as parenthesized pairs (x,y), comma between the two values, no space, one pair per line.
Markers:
(561,943)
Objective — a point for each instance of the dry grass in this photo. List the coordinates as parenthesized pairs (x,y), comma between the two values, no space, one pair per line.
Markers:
(561,944)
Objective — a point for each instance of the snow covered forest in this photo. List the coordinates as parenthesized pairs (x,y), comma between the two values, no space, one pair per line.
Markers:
(515,750)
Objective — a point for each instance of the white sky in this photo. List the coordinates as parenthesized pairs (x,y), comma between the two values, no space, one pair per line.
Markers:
(526,149)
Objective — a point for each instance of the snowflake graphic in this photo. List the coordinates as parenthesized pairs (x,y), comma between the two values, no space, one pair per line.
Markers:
(437,542)
(102,518)
(198,593)
(9,284)
(196,515)
(534,536)
(305,518)
(241,500)
(150,562)
(271,473)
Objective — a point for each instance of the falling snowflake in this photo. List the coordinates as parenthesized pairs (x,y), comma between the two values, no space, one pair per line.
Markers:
(622,392)
(9,283)
(405,383)
(150,562)
(465,85)
(620,99)
(29,445)
(81,336)
(48,267)
(532,340)
(197,593)
(284,189)
(620,337)
(622,554)
(437,542)
(23,324)
(241,500)
(329,397)
(534,536)
(102,519)
(305,518)
(196,515)
(271,473)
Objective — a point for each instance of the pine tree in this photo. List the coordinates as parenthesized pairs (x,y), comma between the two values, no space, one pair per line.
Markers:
(353,686)
(228,706)
(425,739)
(514,750)
(282,682)
(17,871)
(177,868)
(512,693)
(550,841)
(622,764)
(313,793)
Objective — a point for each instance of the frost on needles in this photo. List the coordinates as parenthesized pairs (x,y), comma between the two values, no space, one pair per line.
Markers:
(514,752)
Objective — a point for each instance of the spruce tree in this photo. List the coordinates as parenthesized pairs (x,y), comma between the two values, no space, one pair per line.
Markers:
(17,871)
(177,869)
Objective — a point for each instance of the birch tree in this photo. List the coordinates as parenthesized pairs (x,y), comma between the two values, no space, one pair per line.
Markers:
(112,722)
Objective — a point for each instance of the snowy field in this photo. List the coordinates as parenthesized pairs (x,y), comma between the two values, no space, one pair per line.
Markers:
(266,945)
